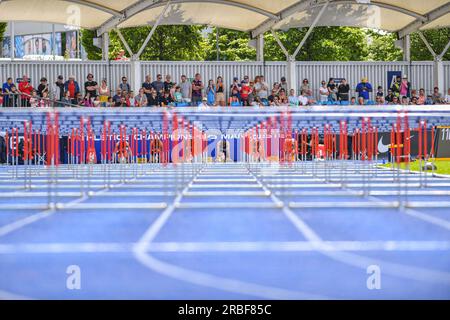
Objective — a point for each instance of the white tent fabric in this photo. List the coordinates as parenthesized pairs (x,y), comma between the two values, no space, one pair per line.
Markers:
(254,16)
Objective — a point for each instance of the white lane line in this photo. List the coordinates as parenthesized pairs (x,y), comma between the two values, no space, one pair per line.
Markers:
(395,269)
(200,278)
(21,223)
(211,247)
(4,295)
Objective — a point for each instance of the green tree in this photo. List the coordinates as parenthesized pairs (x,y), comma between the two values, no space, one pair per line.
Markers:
(382,47)
(87,40)
(438,39)
(324,44)
(233,46)
(3,26)
(167,43)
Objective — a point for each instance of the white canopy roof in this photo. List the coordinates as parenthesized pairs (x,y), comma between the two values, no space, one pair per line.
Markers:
(256,16)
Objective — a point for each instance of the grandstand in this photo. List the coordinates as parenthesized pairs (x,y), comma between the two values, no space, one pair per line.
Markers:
(206,202)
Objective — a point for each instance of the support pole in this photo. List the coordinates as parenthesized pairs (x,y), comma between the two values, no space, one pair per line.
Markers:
(438,71)
(311,28)
(152,31)
(260,48)
(53,42)
(136,75)
(105,46)
(292,74)
(124,42)
(217,44)
(407,48)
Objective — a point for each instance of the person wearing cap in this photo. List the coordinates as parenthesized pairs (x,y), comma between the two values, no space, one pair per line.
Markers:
(204,103)
(405,87)
(72,86)
(26,88)
(364,88)
(43,87)
(58,89)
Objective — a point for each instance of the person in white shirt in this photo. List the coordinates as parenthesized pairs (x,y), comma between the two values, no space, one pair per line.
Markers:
(204,103)
(303,100)
(323,93)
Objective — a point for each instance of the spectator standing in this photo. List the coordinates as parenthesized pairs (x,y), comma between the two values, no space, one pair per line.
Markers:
(72,86)
(147,86)
(43,87)
(344,91)
(186,89)
(158,85)
(323,93)
(8,93)
(125,86)
(103,92)
(395,87)
(262,90)
(26,88)
(245,91)
(332,89)
(58,89)
(220,92)
(197,87)
(235,88)
(364,89)
(169,85)
(405,87)
(91,86)
(211,93)
(305,88)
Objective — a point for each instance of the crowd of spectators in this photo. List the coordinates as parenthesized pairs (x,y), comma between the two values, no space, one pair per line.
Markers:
(163,91)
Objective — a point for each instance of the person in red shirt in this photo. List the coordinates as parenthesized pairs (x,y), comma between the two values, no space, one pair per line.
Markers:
(26,88)
(245,91)
(72,86)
